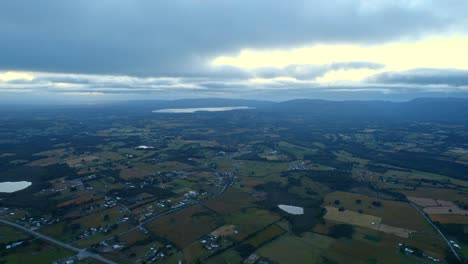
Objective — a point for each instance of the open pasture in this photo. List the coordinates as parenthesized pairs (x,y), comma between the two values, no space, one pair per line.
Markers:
(393,213)
(9,234)
(364,220)
(251,220)
(307,248)
(266,235)
(224,231)
(231,202)
(186,225)
(352,218)
(261,168)
(36,251)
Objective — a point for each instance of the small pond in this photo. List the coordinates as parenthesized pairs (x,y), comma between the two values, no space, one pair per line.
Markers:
(294,210)
(10,187)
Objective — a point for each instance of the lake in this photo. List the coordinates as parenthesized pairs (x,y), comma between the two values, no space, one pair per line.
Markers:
(294,210)
(201,109)
(9,187)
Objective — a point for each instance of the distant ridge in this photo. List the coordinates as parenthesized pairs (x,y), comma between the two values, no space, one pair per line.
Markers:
(420,109)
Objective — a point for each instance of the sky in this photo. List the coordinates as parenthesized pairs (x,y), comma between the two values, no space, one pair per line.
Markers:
(86,50)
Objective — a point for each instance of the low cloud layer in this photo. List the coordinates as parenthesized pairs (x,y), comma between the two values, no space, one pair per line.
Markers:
(390,84)
(448,77)
(262,49)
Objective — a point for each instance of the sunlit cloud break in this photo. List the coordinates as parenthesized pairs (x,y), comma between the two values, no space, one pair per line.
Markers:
(315,49)
(435,53)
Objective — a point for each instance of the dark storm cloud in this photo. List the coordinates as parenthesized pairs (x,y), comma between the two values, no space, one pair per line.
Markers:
(178,37)
(447,77)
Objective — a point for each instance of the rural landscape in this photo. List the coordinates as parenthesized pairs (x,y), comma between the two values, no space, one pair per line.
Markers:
(289,182)
(233,132)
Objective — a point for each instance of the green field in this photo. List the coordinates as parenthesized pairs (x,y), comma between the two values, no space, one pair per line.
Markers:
(9,234)
(186,225)
(292,249)
(35,252)
(265,236)
(251,220)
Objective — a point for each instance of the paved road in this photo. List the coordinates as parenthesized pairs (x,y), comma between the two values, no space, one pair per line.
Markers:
(142,224)
(82,253)
(438,230)
(157,216)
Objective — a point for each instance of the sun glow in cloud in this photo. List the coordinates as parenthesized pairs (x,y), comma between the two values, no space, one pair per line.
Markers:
(437,53)
(272,80)
(13,75)
(352,75)
(339,68)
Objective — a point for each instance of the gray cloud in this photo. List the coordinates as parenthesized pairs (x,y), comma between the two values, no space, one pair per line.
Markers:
(161,49)
(96,89)
(448,77)
(412,83)
(177,37)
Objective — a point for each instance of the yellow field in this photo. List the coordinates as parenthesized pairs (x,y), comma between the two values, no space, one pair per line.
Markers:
(265,235)
(352,217)
(226,230)
(364,220)
(393,213)
(397,231)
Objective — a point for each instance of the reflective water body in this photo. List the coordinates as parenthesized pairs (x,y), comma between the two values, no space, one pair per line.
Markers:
(202,109)
(295,210)
(9,187)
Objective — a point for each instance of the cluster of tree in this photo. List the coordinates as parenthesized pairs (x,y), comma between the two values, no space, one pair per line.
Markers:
(341,231)
(405,159)
(454,230)
(328,159)
(335,179)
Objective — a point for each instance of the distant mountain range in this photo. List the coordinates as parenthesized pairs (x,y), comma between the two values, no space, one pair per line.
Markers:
(421,109)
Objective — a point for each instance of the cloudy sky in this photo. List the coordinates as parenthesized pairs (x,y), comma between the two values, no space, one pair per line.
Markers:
(133,49)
